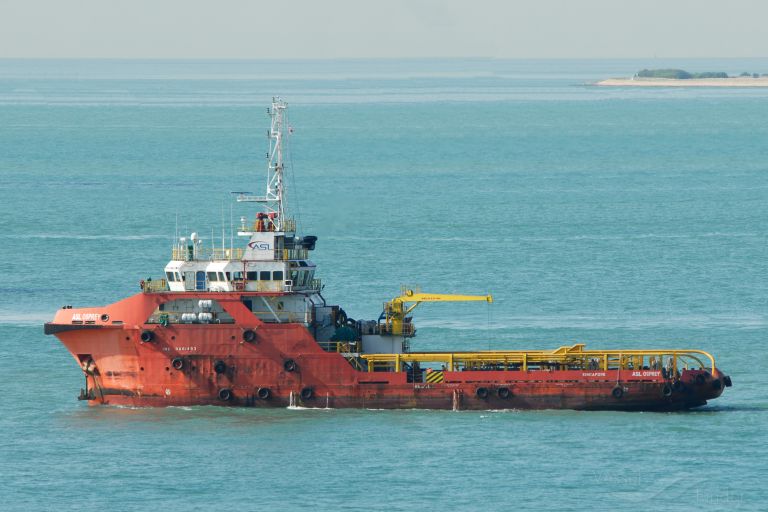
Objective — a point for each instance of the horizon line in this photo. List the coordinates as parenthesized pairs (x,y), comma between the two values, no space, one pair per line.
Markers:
(320,59)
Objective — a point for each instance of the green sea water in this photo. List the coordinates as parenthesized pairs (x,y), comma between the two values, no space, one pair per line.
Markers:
(615,217)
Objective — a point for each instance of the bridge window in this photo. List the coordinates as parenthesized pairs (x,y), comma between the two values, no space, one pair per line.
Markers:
(212,276)
(277,275)
(221,276)
(237,275)
(171,277)
(265,275)
(253,276)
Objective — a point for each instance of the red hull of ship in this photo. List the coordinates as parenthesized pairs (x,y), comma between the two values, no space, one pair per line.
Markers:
(128,371)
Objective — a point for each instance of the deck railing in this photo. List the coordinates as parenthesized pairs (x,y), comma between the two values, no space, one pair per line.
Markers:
(154,286)
(289,226)
(205,254)
(292,254)
(563,358)
(183,254)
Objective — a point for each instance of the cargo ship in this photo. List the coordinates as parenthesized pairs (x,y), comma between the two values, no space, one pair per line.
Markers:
(249,326)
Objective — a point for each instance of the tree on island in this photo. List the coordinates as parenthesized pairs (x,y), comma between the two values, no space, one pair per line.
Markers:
(679,74)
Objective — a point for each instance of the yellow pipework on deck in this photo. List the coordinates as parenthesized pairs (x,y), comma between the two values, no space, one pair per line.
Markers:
(395,311)
(574,356)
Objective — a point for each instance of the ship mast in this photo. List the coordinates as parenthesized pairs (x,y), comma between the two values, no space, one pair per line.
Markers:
(274,197)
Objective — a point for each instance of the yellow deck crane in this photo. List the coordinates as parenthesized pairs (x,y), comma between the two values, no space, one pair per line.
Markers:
(396,312)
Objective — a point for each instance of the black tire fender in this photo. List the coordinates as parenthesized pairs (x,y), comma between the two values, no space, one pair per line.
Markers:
(249,336)
(225,394)
(481,393)
(503,393)
(290,365)
(177,363)
(264,393)
(147,336)
(617,392)
(307,393)
(219,367)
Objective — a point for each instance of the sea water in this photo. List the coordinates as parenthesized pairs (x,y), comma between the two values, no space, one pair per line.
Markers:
(616,217)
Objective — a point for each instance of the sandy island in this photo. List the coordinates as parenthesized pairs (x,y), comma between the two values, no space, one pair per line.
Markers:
(741,81)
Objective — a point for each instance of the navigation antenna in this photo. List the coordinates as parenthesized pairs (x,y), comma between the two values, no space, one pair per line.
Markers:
(275,194)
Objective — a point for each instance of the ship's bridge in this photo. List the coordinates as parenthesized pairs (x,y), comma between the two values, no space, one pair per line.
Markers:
(272,261)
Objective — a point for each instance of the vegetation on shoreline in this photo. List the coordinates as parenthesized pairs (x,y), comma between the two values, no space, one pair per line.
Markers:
(679,74)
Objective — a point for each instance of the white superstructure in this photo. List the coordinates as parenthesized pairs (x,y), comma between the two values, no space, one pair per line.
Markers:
(273,261)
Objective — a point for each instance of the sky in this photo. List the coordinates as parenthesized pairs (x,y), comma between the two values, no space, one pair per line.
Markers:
(329,29)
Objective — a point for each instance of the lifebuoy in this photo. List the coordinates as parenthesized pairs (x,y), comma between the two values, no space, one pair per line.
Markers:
(290,365)
(147,336)
(503,393)
(249,336)
(225,394)
(220,367)
(700,380)
(307,393)
(481,393)
(666,390)
(264,393)
(177,363)
(617,392)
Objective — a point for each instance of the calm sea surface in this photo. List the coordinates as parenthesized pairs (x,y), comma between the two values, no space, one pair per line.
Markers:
(614,217)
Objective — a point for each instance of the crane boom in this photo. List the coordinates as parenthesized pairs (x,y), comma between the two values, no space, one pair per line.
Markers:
(395,311)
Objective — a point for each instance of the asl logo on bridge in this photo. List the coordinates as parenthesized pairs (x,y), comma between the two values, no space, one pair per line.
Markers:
(260,246)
